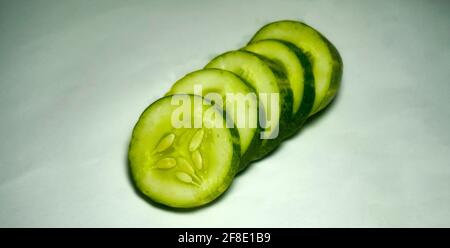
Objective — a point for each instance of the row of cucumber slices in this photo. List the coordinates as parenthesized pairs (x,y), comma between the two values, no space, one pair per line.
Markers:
(190,165)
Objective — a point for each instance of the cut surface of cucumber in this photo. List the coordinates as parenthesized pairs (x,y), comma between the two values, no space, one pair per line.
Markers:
(298,72)
(224,83)
(183,166)
(325,59)
(266,79)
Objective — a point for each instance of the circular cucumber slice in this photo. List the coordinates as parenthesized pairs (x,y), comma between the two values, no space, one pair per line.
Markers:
(242,102)
(185,166)
(298,72)
(324,57)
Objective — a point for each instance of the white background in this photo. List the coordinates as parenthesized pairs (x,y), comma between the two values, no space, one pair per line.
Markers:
(75,75)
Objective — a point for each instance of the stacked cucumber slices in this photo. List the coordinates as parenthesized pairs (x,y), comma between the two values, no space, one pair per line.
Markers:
(187,147)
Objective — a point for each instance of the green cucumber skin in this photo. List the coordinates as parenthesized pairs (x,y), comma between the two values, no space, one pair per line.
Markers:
(286,100)
(336,77)
(308,91)
(337,64)
(269,145)
(228,178)
(297,120)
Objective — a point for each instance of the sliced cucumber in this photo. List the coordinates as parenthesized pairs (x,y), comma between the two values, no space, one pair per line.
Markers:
(187,147)
(226,83)
(325,59)
(184,166)
(266,78)
(298,72)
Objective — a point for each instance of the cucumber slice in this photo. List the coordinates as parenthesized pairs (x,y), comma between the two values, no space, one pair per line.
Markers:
(325,59)
(298,71)
(225,83)
(266,78)
(185,166)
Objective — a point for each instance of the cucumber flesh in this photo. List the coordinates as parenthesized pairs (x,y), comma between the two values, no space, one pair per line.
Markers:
(225,83)
(298,72)
(265,78)
(325,59)
(185,166)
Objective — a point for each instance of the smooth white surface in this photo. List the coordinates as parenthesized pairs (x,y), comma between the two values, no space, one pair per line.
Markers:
(75,75)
